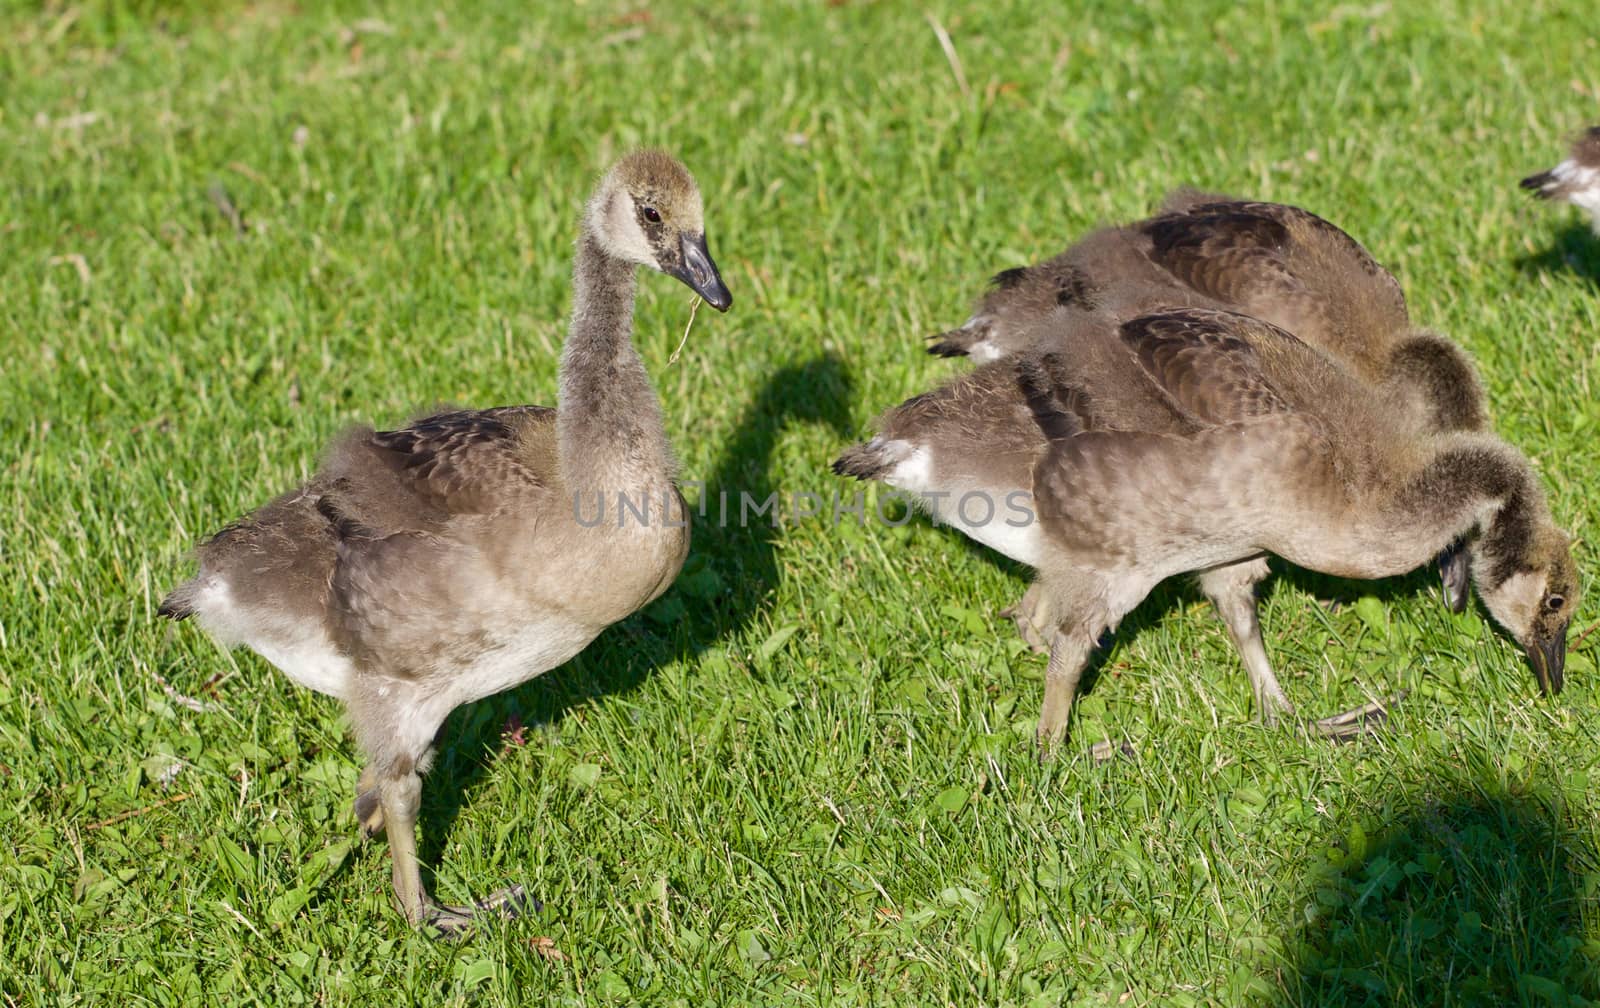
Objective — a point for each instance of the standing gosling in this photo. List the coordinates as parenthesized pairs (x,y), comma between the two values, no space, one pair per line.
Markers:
(1575,180)
(424,568)
(1267,447)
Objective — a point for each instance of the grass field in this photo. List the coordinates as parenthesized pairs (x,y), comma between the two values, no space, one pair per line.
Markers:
(804,776)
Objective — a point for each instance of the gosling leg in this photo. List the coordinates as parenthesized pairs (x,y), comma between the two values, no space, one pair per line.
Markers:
(1033,619)
(1069,653)
(401,798)
(1232,589)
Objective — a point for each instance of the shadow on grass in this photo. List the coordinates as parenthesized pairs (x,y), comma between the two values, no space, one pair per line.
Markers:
(1472,897)
(1575,250)
(727,582)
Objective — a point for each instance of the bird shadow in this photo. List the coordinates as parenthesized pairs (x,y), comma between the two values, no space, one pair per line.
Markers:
(1575,250)
(727,582)
(1471,895)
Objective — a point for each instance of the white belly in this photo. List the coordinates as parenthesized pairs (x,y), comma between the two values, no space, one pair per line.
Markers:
(303,652)
(1002,518)
(1582,185)
(522,653)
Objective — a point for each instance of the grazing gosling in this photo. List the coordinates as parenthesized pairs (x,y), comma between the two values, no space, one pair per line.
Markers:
(1266,446)
(1276,262)
(1575,180)
(424,568)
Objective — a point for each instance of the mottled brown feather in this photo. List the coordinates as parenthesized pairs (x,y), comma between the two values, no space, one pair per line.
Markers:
(474,461)
(1203,364)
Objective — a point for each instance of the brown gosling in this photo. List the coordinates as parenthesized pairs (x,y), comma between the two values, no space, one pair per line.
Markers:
(1276,262)
(1575,180)
(1270,260)
(1200,441)
(428,567)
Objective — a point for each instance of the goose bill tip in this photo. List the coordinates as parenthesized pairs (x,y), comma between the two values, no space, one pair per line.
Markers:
(699,272)
(1549,660)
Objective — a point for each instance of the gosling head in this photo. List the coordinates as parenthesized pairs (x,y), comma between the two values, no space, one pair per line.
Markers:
(647,210)
(1534,597)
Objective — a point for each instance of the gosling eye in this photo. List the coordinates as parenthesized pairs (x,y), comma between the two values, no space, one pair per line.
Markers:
(652,215)
(1554,603)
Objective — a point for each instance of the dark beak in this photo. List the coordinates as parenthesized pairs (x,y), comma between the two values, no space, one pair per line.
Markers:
(1549,658)
(698,271)
(1455,574)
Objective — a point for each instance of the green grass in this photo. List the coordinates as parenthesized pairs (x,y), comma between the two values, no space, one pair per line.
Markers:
(803,776)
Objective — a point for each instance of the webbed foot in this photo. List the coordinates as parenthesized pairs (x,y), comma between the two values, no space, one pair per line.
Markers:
(454,921)
(1357,721)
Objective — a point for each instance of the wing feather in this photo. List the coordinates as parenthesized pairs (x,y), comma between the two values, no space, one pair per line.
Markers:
(470,461)
(1204,363)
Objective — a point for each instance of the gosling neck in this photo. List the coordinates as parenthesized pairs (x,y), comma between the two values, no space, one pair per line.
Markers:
(1506,543)
(1494,492)
(1441,371)
(608,420)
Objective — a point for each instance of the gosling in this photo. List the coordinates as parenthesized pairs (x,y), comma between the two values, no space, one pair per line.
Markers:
(1201,441)
(428,567)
